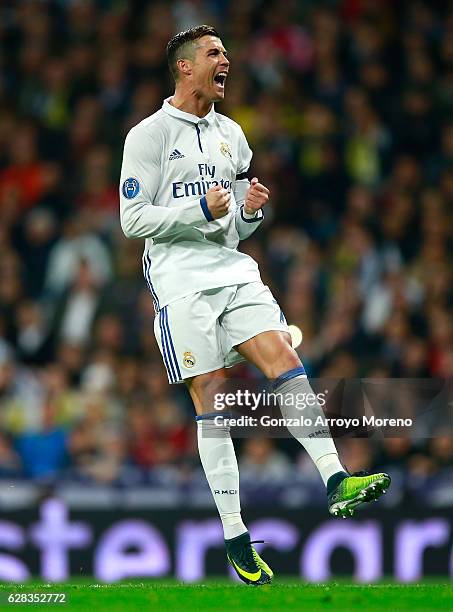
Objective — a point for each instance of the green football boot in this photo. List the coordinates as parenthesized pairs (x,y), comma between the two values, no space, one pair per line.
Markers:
(247,563)
(345,492)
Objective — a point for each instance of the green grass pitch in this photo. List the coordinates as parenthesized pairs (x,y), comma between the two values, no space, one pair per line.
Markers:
(283,595)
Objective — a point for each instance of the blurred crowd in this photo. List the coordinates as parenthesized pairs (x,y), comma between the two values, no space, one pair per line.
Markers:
(348,107)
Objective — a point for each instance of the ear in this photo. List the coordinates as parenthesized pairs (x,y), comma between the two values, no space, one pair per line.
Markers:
(184,66)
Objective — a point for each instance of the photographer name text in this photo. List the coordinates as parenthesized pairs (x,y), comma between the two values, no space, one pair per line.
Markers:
(302,421)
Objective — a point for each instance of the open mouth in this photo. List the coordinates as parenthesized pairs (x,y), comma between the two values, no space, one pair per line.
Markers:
(220,79)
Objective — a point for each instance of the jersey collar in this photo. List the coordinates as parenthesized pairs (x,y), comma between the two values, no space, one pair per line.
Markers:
(175,112)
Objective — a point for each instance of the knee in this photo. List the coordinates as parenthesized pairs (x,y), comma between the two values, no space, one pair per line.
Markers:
(288,360)
(204,387)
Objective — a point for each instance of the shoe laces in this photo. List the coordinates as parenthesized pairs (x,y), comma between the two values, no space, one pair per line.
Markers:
(248,556)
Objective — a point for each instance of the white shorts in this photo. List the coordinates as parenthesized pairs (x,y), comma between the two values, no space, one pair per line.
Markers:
(197,333)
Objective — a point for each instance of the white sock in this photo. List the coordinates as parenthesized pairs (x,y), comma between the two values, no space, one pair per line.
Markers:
(316,439)
(328,465)
(220,466)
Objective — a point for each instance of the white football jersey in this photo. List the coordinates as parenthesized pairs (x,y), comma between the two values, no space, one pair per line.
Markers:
(170,161)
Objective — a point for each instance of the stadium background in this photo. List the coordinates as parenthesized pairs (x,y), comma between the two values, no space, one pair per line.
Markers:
(347,106)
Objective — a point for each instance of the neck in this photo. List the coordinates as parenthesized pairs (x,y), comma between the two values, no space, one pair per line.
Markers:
(189,102)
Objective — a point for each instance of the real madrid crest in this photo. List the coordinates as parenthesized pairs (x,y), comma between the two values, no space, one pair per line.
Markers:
(225,149)
(189,359)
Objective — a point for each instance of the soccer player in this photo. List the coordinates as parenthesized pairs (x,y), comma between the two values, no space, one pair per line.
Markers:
(184,189)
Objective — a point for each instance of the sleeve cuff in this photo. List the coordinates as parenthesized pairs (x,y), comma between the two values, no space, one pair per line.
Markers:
(248,218)
(205,209)
(192,213)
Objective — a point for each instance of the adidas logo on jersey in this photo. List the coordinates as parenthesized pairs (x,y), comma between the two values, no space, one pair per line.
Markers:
(176,155)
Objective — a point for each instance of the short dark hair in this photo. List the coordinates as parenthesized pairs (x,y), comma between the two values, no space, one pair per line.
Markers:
(178,46)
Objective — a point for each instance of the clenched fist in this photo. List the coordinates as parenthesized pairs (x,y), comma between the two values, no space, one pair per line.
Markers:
(256,197)
(218,201)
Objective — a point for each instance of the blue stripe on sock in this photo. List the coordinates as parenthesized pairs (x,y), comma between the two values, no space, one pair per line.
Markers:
(164,342)
(213,415)
(300,371)
(175,361)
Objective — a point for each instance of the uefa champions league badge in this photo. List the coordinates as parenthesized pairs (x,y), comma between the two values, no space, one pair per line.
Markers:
(131,188)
